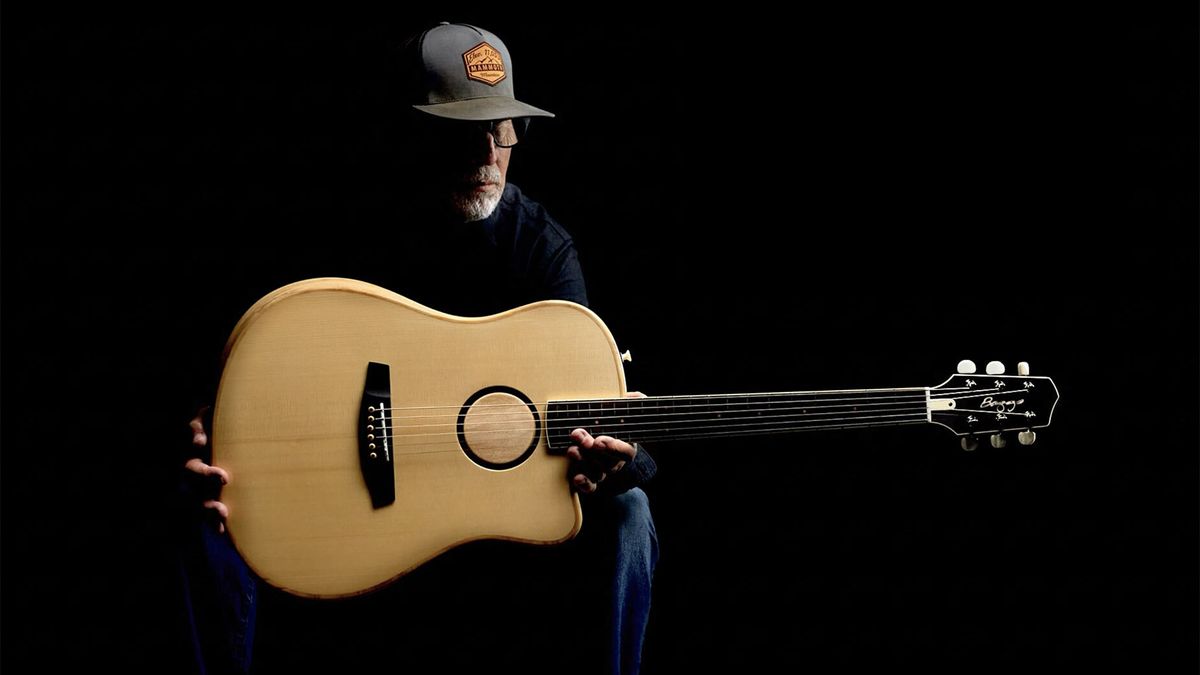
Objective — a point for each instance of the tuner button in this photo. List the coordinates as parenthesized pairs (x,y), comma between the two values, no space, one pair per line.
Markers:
(968,443)
(1023,368)
(966,367)
(1027,437)
(627,357)
(995,368)
(998,441)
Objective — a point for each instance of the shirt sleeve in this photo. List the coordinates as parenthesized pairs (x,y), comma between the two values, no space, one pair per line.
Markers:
(564,276)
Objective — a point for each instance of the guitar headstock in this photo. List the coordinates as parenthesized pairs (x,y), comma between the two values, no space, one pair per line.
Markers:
(977,404)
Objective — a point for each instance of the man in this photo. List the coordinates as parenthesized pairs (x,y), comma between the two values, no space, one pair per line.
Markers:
(469,243)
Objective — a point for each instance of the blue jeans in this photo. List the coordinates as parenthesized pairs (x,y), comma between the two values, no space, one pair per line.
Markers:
(219,600)
(617,551)
(626,521)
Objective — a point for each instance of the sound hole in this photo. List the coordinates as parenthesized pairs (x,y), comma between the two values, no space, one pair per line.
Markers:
(498,428)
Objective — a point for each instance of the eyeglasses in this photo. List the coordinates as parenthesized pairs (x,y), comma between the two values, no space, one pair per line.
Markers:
(504,133)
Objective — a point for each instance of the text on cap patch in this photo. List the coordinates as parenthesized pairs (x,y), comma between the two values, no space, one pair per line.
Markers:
(484,63)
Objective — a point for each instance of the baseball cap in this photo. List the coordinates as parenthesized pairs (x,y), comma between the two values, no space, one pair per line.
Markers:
(462,72)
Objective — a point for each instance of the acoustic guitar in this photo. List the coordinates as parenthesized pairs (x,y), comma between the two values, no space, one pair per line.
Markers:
(366,434)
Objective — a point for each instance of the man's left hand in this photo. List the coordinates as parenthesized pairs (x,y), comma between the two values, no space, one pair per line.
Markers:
(593,458)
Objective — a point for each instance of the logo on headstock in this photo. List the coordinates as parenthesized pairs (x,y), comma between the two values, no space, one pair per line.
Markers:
(1001,406)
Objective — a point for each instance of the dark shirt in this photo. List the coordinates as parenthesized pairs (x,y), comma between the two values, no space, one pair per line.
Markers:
(516,256)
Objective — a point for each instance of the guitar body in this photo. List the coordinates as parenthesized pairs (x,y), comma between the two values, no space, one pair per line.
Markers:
(287,416)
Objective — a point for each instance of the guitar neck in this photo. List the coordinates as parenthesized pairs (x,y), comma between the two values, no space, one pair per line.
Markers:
(666,418)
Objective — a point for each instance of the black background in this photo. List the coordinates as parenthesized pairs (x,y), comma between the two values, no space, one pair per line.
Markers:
(848,198)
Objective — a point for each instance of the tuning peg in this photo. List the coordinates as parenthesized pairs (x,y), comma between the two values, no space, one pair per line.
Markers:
(1027,437)
(995,368)
(968,443)
(627,357)
(998,441)
(966,367)
(1023,368)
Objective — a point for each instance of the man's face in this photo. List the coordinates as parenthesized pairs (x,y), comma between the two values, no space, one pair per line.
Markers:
(463,165)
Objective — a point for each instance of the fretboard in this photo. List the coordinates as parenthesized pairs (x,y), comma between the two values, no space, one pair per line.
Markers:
(690,417)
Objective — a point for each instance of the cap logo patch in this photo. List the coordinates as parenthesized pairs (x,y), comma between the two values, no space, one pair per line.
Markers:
(484,64)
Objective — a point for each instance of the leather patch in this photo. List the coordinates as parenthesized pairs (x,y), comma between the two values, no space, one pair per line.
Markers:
(484,64)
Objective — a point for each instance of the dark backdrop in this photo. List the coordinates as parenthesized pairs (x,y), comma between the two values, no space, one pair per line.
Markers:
(844,199)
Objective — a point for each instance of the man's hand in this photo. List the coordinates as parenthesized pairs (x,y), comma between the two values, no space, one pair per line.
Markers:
(207,472)
(593,458)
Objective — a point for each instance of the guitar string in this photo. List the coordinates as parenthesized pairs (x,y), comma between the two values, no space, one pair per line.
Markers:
(659,435)
(748,398)
(597,406)
(635,411)
(900,395)
(779,430)
(576,423)
(657,426)
(611,413)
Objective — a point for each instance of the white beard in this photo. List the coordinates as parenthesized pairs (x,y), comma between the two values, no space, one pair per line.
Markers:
(473,205)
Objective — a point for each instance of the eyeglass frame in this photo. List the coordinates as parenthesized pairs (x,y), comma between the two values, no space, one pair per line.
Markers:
(520,127)
(443,126)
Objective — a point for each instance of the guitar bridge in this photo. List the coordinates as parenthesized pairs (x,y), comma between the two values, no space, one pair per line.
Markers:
(375,435)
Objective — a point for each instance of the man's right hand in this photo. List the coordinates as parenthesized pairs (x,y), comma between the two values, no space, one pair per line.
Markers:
(207,471)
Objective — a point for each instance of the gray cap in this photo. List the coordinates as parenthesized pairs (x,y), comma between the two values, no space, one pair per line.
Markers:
(465,73)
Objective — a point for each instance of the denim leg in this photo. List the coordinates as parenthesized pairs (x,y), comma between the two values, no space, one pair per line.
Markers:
(627,525)
(220,600)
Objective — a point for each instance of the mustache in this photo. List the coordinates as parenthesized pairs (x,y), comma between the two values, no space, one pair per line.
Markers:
(483,174)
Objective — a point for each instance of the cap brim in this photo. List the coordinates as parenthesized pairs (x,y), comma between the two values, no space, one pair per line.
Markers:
(485,108)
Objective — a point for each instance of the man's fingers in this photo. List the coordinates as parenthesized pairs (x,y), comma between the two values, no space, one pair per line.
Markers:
(199,435)
(588,466)
(634,394)
(596,457)
(199,467)
(221,510)
(609,445)
(220,473)
(217,506)
(613,452)
(613,448)
(583,484)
